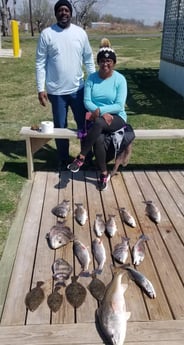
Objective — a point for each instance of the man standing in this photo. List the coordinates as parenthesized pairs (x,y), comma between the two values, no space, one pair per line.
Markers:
(62,50)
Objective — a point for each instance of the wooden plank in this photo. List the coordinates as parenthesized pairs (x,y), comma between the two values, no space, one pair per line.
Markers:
(159,134)
(95,207)
(9,253)
(170,232)
(66,313)
(149,333)
(133,295)
(44,255)
(179,178)
(157,308)
(174,133)
(57,133)
(30,163)
(161,258)
(173,188)
(82,233)
(14,311)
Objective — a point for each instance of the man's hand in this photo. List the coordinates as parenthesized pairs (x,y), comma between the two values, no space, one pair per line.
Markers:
(42,96)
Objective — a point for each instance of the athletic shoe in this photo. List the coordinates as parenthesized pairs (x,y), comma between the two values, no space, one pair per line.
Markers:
(104,179)
(75,165)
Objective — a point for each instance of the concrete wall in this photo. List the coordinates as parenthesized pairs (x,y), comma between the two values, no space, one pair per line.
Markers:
(172,75)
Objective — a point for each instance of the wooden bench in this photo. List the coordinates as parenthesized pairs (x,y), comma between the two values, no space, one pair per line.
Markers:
(36,139)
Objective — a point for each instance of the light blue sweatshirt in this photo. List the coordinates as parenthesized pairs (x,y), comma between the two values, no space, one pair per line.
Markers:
(60,56)
(109,95)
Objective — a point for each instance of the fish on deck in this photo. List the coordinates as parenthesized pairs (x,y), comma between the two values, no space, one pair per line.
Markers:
(143,282)
(110,225)
(35,297)
(99,254)
(61,270)
(62,209)
(99,225)
(82,254)
(152,211)
(120,252)
(59,235)
(138,250)
(111,314)
(81,215)
(75,293)
(127,217)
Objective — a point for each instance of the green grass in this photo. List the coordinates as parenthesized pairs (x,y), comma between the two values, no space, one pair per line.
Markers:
(150,104)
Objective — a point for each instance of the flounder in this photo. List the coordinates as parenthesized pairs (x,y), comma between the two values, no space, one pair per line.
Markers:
(35,297)
(75,293)
(96,288)
(55,300)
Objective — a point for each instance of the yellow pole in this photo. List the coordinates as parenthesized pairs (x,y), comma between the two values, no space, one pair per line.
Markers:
(15,37)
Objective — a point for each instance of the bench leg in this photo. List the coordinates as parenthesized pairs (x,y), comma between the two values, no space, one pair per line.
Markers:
(30,166)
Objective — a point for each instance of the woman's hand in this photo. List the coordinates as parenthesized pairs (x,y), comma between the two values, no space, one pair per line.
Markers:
(95,114)
(108,118)
(91,116)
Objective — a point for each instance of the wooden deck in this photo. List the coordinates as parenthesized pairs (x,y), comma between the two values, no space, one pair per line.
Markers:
(28,259)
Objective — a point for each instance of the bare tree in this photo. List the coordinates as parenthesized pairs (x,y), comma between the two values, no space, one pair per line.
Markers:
(40,16)
(83,9)
(5,17)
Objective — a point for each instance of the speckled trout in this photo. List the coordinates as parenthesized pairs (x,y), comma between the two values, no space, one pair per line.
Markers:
(112,314)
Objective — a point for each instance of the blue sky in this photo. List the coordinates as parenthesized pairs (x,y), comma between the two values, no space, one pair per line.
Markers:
(148,11)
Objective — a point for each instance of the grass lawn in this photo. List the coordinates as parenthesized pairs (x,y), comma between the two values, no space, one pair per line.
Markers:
(150,104)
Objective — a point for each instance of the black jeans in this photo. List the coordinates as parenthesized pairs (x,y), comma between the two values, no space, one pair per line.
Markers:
(94,138)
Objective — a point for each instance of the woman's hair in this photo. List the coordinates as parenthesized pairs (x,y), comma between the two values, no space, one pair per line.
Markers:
(105,51)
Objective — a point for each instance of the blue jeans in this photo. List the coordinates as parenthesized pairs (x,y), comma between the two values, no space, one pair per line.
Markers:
(60,105)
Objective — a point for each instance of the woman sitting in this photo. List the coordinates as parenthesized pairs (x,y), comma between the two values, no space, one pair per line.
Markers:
(105,96)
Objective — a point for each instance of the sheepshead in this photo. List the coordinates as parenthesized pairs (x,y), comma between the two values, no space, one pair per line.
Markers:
(81,214)
(62,209)
(127,217)
(97,288)
(152,211)
(141,281)
(138,250)
(110,225)
(59,235)
(112,314)
(75,293)
(55,300)
(61,270)
(99,254)
(35,297)
(82,254)
(120,252)
(99,225)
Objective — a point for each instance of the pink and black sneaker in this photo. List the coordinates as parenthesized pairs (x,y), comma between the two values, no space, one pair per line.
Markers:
(104,179)
(76,164)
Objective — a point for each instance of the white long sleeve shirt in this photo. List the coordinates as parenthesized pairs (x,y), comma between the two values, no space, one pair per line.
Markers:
(60,56)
